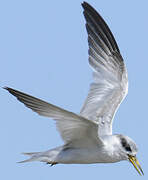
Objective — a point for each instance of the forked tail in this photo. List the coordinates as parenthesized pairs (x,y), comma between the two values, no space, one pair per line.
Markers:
(34,156)
(49,156)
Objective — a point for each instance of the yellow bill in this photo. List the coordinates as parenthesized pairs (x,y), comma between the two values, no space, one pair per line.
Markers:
(136,164)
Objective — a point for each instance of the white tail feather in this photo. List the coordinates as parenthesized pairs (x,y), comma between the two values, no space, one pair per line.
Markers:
(49,156)
(35,156)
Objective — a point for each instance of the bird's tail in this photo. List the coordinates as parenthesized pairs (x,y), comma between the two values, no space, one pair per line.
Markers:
(34,156)
(49,156)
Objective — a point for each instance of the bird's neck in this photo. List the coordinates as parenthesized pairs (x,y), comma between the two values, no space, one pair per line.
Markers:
(112,147)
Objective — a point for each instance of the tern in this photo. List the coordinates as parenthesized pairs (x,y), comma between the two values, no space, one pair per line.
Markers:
(88,135)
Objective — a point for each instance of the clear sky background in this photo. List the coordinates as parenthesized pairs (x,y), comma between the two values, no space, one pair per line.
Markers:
(43,52)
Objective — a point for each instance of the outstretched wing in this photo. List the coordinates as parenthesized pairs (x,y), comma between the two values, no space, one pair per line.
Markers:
(110,83)
(73,128)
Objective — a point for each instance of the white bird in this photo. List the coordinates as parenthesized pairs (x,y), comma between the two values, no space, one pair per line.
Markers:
(88,136)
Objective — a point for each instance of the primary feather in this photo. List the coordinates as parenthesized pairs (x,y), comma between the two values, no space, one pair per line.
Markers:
(72,127)
(110,83)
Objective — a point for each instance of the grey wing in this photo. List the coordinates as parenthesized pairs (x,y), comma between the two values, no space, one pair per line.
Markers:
(73,128)
(110,82)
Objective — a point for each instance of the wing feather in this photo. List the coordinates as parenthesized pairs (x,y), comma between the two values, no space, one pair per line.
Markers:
(72,127)
(110,83)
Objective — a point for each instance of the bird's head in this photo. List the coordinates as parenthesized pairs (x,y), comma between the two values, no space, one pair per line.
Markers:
(128,150)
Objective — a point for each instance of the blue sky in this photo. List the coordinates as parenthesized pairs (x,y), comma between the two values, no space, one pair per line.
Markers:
(43,47)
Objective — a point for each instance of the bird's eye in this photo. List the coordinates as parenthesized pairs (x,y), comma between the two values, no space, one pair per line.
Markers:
(128,148)
(125,145)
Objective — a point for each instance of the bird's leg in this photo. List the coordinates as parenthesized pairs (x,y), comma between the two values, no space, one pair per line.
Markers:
(52,163)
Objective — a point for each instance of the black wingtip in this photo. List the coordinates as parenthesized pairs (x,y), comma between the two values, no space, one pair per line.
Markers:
(85,4)
(89,11)
(10,90)
(6,88)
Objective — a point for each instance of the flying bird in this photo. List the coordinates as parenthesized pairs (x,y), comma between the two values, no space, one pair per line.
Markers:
(88,135)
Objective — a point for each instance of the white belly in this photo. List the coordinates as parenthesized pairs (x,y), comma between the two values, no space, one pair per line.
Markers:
(84,156)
